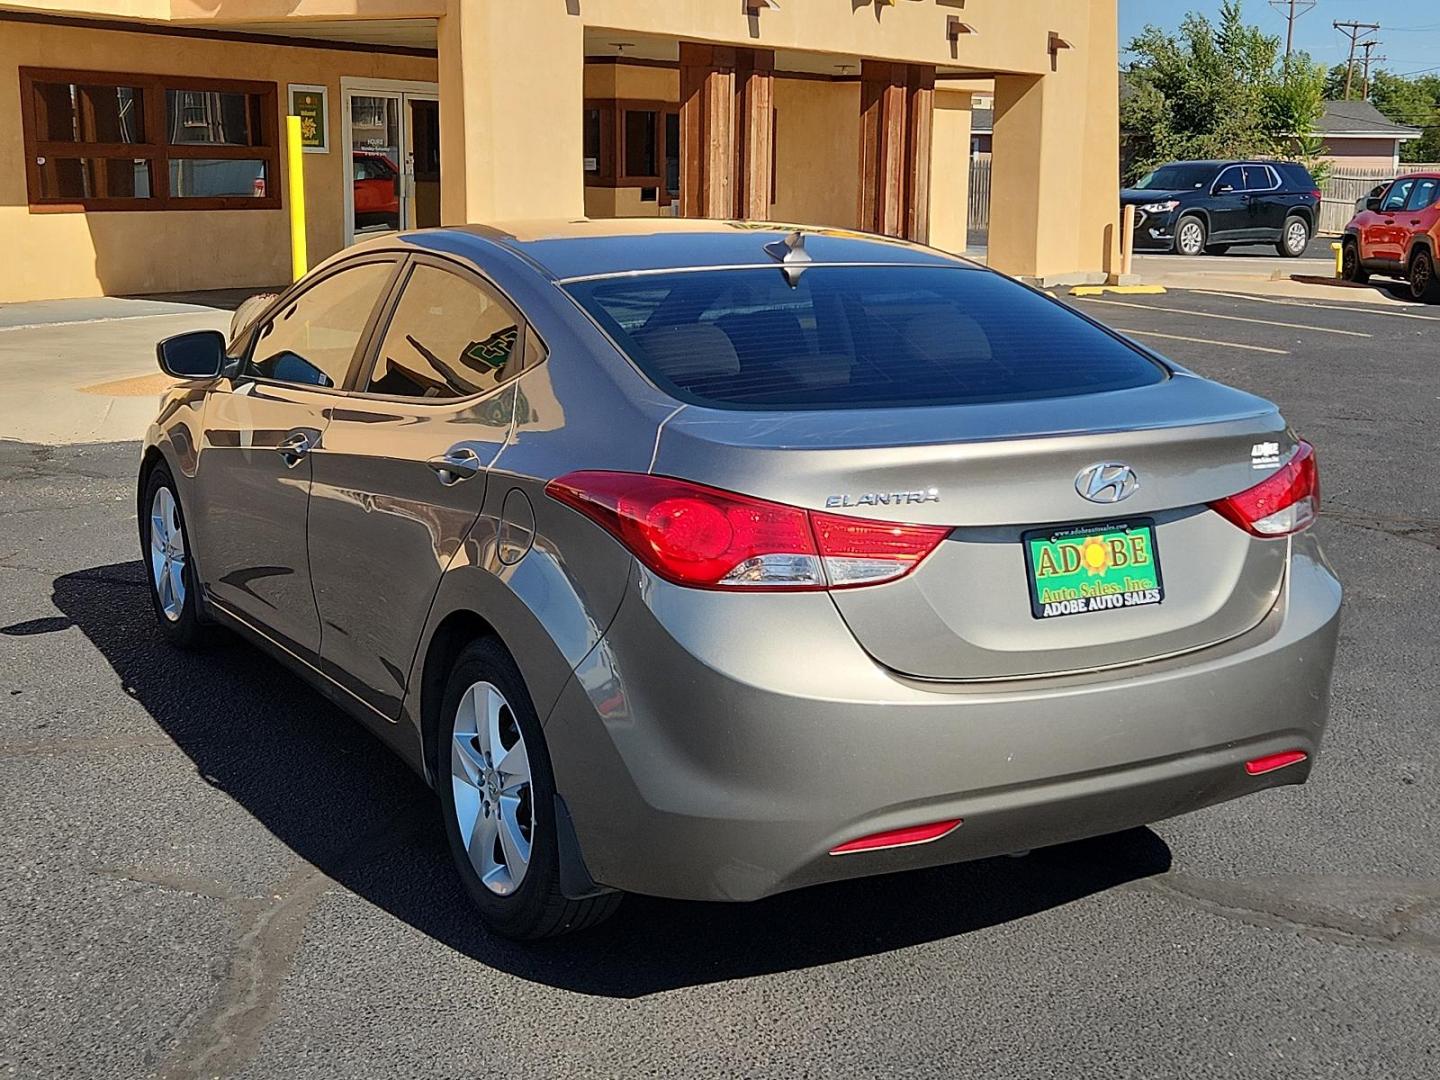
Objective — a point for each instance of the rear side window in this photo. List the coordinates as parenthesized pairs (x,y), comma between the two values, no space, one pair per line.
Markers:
(1259,178)
(448,338)
(857,337)
(1423,193)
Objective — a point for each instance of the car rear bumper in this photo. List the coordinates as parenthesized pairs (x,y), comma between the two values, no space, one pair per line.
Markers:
(718,747)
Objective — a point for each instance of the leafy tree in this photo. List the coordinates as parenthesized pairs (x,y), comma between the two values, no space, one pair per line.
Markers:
(1217,90)
(1413,101)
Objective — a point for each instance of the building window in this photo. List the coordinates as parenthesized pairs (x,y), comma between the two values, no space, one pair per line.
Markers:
(100,141)
(634,144)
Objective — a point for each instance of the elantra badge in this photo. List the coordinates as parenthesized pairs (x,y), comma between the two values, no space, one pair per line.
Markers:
(1107,482)
(883,498)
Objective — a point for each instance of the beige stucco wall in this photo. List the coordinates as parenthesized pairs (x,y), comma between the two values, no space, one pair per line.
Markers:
(950,171)
(817,152)
(51,255)
(1361,153)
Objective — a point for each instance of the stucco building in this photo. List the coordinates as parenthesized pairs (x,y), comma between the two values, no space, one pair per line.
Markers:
(141,141)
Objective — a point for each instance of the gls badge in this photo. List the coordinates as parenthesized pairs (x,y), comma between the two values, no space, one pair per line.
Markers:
(883,498)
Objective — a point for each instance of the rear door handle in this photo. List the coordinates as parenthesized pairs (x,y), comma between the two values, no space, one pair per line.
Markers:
(456,464)
(294,447)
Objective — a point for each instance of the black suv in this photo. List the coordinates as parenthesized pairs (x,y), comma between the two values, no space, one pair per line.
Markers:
(1194,206)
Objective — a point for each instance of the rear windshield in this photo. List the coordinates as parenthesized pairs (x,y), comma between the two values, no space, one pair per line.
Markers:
(857,337)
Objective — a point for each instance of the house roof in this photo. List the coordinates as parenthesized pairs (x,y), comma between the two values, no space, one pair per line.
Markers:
(1360,118)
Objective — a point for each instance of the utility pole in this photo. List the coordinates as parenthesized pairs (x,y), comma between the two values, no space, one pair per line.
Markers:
(1368,46)
(1292,10)
(1354,31)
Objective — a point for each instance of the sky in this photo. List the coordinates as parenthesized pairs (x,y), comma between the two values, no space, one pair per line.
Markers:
(1409,32)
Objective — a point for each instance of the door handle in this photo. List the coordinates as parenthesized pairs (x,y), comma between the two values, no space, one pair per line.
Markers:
(456,464)
(294,447)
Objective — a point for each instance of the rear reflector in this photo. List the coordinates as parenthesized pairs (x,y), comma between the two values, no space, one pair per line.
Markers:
(707,538)
(1283,503)
(914,834)
(1271,762)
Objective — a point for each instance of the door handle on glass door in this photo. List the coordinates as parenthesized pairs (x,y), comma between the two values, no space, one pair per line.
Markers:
(456,464)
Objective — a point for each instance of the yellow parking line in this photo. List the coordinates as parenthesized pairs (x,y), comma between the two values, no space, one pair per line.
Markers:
(1200,341)
(1354,309)
(1122,290)
(1231,318)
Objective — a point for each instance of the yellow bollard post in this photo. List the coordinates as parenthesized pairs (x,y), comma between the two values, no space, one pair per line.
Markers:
(1127,241)
(1339,260)
(295,165)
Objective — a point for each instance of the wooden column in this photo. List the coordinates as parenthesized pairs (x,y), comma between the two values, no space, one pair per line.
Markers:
(726,132)
(707,130)
(897,103)
(755,143)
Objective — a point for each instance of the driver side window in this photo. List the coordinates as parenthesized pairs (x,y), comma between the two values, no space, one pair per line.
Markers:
(1232,178)
(312,340)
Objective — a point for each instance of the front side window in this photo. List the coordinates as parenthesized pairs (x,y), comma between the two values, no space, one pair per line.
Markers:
(187,143)
(1399,192)
(448,338)
(1232,178)
(312,340)
(857,337)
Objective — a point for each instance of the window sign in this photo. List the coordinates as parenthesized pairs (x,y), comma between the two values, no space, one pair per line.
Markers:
(312,105)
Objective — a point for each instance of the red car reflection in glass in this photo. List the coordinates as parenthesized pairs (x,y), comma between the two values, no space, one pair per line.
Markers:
(377,198)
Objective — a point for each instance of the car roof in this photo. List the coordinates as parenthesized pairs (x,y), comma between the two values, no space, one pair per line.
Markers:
(565,249)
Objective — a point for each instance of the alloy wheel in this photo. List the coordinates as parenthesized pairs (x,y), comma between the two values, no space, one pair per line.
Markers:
(490,779)
(1422,272)
(167,553)
(1192,237)
(1296,237)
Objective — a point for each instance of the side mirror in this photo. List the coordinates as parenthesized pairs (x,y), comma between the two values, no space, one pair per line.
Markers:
(1372,203)
(200,354)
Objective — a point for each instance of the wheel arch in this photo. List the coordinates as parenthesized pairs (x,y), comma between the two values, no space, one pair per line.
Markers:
(1418,242)
(454,632)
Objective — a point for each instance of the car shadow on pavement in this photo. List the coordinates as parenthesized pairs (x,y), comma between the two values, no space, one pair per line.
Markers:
(332,793)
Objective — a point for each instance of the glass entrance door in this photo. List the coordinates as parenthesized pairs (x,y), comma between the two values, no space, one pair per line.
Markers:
(422,162)
(376,158)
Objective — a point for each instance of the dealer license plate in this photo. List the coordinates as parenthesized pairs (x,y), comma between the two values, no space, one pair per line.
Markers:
(1081,569)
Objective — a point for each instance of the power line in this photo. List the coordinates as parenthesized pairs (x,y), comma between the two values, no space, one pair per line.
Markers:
(1354,31)
(1292,10)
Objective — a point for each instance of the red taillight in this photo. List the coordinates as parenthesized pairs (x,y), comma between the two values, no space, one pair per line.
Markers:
(1281,504)
(1271,762)
(1317,193)
(707,538)
(913,834)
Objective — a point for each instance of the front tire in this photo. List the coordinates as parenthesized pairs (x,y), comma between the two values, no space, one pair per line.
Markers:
(169,564)
(1190,236)
(1294,238)
(497,794)
(1350,268)
(1423,284)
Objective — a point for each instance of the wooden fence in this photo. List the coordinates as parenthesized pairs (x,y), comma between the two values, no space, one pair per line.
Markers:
(979,192)
(1339,194)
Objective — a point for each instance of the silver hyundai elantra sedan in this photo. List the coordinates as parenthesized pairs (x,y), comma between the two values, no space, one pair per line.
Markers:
(710,560)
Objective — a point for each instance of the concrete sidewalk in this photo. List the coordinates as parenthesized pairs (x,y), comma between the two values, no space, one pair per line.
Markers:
(84,370)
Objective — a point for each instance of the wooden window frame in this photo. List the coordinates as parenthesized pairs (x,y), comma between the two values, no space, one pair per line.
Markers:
(612,172)
(155,149)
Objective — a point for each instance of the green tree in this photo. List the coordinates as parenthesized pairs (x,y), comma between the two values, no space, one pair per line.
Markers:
(1415,102)
(1216,90)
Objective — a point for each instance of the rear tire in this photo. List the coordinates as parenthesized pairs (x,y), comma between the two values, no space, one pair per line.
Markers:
(497,795)
(1294,238)
(1350,268)
(1423,284)
(1190,236)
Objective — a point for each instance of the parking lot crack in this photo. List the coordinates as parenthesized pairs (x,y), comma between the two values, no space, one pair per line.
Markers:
(1281,905)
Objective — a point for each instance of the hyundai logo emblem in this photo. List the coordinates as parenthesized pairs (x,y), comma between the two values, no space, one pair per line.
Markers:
(1107,482)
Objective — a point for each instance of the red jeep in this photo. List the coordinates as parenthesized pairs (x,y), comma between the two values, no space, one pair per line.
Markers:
(1397,234)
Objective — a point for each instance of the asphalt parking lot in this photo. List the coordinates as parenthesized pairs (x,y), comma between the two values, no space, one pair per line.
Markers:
(207,870)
